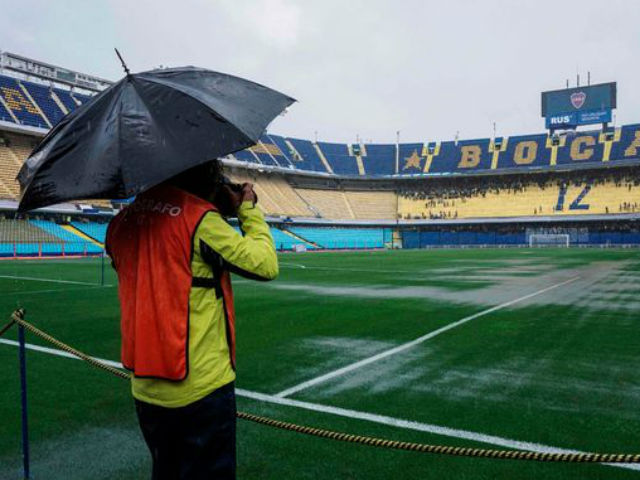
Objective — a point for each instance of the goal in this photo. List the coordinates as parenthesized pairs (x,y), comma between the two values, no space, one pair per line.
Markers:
(549,240)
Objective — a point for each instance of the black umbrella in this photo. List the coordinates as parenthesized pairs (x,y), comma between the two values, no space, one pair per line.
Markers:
(143,130)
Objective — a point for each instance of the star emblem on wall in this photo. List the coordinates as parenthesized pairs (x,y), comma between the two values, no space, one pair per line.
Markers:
(413,161)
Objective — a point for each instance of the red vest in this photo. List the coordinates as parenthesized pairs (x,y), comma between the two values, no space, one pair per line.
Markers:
(151,244)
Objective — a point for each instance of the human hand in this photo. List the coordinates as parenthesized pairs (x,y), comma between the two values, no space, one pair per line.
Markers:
(248,194)
(231,197)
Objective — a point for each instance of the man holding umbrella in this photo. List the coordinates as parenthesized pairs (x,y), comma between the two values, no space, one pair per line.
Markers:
(153,135)
(173,252)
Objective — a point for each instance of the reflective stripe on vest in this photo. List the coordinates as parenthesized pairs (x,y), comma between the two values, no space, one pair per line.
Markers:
(151,244)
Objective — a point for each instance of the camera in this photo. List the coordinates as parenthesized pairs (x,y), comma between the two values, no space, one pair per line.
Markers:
(223,201)
(226,182)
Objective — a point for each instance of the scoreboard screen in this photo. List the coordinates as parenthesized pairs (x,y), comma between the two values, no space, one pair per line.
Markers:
(571,107)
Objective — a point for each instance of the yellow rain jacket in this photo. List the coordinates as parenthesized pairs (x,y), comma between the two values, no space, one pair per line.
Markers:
(173,253)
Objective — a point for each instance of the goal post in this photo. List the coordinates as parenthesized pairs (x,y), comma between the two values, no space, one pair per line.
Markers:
(549,240)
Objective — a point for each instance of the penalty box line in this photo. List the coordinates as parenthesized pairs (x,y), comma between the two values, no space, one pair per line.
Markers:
(363,416)
(405,346)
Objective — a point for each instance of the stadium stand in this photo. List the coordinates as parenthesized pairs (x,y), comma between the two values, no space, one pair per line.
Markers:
(532,195)
(66,99)
(276,197)
(14,97)
(40,237)
(81,98)
(32,104)
(263,155)
(342,238)
(279,143)
(308,157)
(246,156)
(411,160)
(525,150)
(14,149)
(8,186)
(22,231)
(18,237)
(379,159)
(534,177)
(5,116)
(97,231)
(269,153)
(628,145)
(43,96)
(533,190)
(372,205)
(330,204)
(72,244)
(285,240)
(337,154)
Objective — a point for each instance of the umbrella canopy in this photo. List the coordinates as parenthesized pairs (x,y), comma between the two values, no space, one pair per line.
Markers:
(143,130)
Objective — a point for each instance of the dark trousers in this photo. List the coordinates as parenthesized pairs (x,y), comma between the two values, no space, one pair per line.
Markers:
(195,442)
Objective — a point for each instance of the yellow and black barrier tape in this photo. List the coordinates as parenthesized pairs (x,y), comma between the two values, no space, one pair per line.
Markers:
(18,318)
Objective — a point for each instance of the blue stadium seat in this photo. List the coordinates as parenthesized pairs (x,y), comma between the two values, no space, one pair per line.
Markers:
(282,241)
(310,159)
(274,154)
(528,150)
(82,98)
(342,238)
(279,142)
(410,159)
(337,154)
(245,156)
(380,159)
(465,156)
(266,159)
(451,158)
(42,96)
(95,230)
(73,244)
(65,98)
(4,115)
(20,105)
(620,150)
(583,147)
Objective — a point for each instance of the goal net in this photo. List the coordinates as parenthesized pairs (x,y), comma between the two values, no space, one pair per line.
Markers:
(549,240)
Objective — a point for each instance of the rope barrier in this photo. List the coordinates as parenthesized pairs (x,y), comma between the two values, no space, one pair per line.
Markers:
(18,318)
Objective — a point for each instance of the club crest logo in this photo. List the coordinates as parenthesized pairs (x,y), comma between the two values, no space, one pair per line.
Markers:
(578,99)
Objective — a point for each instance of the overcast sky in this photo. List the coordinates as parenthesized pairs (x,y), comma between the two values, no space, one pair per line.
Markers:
(358,67)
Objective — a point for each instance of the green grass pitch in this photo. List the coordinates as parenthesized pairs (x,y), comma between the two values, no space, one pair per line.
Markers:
(554,364)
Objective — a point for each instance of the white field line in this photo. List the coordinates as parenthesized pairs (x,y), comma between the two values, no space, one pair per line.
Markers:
(368,417)
(405,346)
(34,292)
(56,352)
(359,270)
(418,426)
(346,269)
(290,264)
(52,280)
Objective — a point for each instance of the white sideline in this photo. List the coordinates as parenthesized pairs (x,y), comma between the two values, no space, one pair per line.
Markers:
(50,290)
(53,280)
(58,353)
(418,426)
(412,343)
(368,417)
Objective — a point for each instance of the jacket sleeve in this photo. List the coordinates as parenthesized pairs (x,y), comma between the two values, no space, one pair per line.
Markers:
(252,255)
